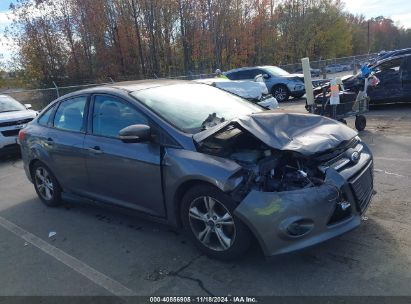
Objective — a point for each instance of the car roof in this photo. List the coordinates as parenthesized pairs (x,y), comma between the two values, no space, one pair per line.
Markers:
(138,85)
(248,68)
(393,53)
(379,62)
(127,86)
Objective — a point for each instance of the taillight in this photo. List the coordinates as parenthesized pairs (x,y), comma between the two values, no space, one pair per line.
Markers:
(22,135)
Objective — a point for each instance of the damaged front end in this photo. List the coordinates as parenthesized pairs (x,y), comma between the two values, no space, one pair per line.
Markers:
(305,179)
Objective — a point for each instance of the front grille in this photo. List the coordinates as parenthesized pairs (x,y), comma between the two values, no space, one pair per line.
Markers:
(10,133)
(15,122)
(362,187)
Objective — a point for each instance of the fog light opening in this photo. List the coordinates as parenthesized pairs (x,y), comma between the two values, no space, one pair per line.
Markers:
(300,227)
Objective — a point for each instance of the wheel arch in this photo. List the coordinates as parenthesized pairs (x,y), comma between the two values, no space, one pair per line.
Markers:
(37,160)
(31,165)
(280,84)
(181,191)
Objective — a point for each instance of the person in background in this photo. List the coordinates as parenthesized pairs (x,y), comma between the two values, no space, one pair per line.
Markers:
(219,74)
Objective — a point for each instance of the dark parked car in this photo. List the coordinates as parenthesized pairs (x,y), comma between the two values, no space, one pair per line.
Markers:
(279,82)
(385,55)
(192,155)
(394,74)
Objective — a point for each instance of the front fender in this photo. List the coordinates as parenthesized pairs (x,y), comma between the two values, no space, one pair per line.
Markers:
(181,166)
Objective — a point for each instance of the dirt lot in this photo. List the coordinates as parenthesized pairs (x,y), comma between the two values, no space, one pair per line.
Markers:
(98,251)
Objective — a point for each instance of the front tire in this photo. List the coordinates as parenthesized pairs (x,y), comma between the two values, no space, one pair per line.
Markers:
(281,93)
(208,216)
(46,185)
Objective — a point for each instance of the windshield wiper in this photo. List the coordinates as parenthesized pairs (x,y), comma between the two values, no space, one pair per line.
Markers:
(211,121)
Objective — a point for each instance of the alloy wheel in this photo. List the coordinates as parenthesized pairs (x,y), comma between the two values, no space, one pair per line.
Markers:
(212,223)
(44,183)
(280,94)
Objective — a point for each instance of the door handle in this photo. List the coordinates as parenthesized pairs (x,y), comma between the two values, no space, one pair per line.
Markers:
(95,150)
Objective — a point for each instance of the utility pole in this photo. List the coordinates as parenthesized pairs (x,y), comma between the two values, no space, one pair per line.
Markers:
(368,36)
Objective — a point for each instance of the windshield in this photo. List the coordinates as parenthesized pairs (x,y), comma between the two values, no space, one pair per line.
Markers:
(8,104)
(276,71)
(187,106)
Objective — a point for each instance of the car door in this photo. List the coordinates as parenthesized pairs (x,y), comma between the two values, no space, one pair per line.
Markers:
(64,141)
(405,74)
(127,174)
(390,87)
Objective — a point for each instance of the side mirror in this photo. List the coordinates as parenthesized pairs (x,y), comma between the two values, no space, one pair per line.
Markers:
(28,106)
(266,76)
(135,134)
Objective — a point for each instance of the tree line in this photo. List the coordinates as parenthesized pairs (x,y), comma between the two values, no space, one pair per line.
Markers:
(69,40)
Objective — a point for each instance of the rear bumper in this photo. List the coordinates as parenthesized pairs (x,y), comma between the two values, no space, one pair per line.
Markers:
(292,220)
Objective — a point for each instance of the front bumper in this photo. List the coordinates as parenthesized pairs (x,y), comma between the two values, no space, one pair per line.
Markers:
(315,213)
(10,149)
(296,89)
(8,144)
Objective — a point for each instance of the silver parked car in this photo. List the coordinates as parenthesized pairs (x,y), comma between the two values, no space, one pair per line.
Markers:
(279,82)
(253,91)
(13,117)
(192,155)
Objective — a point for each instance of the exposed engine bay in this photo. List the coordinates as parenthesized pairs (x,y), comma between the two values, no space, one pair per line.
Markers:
(266,169)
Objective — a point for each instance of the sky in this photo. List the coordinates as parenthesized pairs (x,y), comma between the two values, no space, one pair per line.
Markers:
(398,10)
(6,48)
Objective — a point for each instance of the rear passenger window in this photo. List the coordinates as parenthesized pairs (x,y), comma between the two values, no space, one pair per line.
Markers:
(44,118)
(70,113)
(241,75)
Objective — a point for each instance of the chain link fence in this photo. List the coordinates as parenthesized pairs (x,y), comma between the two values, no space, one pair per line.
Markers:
(40,98)
(327,68)
(321,69)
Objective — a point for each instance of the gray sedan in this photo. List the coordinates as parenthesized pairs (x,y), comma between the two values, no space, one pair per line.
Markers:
(194,156)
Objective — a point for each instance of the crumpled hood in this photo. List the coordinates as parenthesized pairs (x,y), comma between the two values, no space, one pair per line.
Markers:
(307,134)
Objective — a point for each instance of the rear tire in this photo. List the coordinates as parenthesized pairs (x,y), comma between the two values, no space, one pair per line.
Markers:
(360,122)
(46,185)
(280,92)
(208,216)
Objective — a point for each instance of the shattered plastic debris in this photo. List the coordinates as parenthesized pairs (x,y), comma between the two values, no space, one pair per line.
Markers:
(52,233)
(364,218)
(157,274)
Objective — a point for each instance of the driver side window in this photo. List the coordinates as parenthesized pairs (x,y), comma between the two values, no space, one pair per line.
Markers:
(111,114)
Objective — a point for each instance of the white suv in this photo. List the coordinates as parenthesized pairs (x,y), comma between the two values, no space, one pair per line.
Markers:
(13,117)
